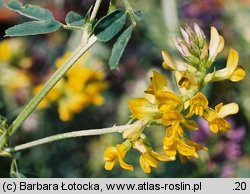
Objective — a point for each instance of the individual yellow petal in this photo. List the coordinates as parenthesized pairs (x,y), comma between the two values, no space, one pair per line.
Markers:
(209,114)
(169,62)
(169,141)
(172,117)
(162,157)
(110,156)
(232,61)
(221,44)
(171,135)
(109,165)
(228,109)
(150,160)
(190,124)
(185,149)
(238,75)
(169,101)
(144,165)
(140,146)
(214,127)
(218,107)
(194,144)
(124,165)
(170,151)
(142,108)
(219,124)
(159,81)
(123,148)
(216,44)
(110,153)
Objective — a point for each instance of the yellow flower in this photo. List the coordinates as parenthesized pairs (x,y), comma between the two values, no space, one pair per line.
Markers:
(93,92)
(232,71)
(169,101)
(173,118)
(187,80)
(216,119)
(141,108)
(158,82)
(216,44)
(111,155)
(71,104)
(149,158)
(169,63)
(134,132)
(175,140)
(198,104)
(5,50)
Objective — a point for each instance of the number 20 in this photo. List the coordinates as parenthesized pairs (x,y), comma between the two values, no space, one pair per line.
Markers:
(240,186)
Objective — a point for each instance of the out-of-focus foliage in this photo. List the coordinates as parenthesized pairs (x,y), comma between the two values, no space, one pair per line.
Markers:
(27,62)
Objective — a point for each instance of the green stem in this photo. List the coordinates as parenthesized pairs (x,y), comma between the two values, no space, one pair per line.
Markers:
(67,135)
(78,52)
(95,10)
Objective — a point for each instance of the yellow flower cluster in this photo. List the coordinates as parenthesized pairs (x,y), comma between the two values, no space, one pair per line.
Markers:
(9,50)
(5,50)
(81,86)
(175,111)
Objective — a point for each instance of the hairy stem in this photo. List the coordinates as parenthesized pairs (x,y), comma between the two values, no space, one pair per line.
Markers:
(78,52)
(67,135)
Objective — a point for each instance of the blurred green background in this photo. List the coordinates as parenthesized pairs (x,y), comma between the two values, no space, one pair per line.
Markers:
(28,61)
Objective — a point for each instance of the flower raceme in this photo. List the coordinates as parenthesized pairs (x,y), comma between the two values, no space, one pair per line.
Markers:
(177,111)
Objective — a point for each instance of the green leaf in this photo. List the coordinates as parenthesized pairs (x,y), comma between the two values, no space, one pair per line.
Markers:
(110,25)
(30,11)
(119,47)
(33,28)
(74,19)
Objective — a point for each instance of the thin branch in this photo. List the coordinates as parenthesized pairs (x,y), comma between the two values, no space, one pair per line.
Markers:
(67,135)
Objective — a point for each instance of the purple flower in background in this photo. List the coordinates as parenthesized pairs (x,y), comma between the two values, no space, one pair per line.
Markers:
(226,149)
(203,134)
(227,170)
